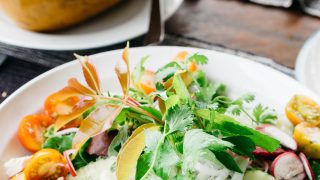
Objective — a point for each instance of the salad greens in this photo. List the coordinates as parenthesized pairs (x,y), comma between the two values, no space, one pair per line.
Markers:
(195,125)
(173,123)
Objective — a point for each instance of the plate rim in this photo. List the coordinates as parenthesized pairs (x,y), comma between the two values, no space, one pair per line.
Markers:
(302,57)
(79,46)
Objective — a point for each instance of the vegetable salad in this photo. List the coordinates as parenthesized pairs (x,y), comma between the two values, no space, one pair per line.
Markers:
(173,123)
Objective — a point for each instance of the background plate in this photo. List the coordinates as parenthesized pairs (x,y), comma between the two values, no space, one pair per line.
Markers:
(271,87)
(126,21)
(308,63)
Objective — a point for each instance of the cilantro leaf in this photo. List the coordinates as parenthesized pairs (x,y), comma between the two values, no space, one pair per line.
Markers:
(196,144)
(152,140)
(160,91)
(60,143)
(167,71)
(227,160)
(208,90)
(263,114)
(198,59)
(167,161)
(243,146)
(231,127)
(159,157)
(179,118)
(244,98)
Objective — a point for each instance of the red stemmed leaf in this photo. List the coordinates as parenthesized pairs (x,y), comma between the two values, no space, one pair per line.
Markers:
(66,93)
(74,83)
(123,72)
(90,73)
(62,101)
(98,121)
(77,111)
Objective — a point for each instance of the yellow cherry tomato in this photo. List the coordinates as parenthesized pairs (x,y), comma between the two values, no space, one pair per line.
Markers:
(46,164)
(307,137)
(303,109)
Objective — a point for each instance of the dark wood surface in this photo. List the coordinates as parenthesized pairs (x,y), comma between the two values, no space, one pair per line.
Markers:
(271,32)
(241,26)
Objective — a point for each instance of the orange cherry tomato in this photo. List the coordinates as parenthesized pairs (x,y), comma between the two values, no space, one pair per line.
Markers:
(181,56)
(31,131)
(53,107)
(303,109)
(147,82)
(46,164)
(192,67)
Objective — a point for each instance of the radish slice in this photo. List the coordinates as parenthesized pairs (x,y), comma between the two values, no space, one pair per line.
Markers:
(307,166)
(259,152)
(66,155)
(67,131)
(288,166)
(266,166)
(285,139)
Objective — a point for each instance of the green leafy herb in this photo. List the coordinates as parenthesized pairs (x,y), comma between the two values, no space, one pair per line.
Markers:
(179,118)
(60,143)
(227,160)
(264,115)
(83,158)
(167,71)
(118,141)
(198,59)
(195,147)
(243,146)
(180,88)
(315,166)
(231,127)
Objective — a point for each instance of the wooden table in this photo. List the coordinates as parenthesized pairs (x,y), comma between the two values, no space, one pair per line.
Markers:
(228,25)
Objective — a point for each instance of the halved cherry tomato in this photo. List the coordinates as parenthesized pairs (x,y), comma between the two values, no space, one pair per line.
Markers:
(72,124)
(53,107)
(192,67)
(147,82)
(31,131)
(46,164)
(303,109)
(181,56)
(307,138)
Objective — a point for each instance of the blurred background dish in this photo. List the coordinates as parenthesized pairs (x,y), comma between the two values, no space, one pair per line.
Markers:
(307,69)
(127,20)
(44,15)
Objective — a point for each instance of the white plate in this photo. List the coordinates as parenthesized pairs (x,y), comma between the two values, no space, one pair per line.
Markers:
(308,63)
(240,75)
(126,21)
